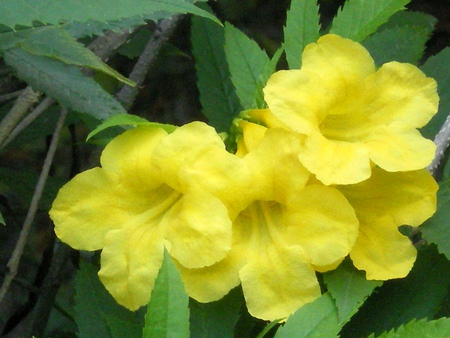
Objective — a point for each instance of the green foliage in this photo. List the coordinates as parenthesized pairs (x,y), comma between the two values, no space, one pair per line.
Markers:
(217,319)
(433,68)
(250,67)
(97,314)
(397,302)
(167,312)
(58,44)
(64,83)
(349,288)
(26,13)
(401,39)
(436,229)
(360,18)
(439,328)
(217,93)
(302,28)
(319,319)
(128,120)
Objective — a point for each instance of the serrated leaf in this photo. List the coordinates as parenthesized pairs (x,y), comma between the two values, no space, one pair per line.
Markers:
(349,288)
(128,120)
(24,12)
(436,229)
(168,310)
(302,27)
(439,328)
(247,64)
(217,319)
(360,18)
(58,44)
(96,312)
(397,302)
(318,319)
(217,94)
(433,67)
(64,83)
(402,40)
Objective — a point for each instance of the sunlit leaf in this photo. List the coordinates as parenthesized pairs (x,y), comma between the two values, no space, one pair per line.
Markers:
(168,311)
(439,328)
(248,64)
(25,12)
(302,28)
(349,288)
(314,320)
(217,93)
(360,18)
(64,83)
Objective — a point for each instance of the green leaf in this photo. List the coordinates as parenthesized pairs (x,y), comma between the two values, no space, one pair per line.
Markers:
(433,67)
(439,328)
(2,220)
(248,66)
(168,311)
(97,314)
(436,229)
(24,12)
(402,39)
(217,319)
(57,43)
(349,288)
(302,28)
(217,94)
(64,83)
(317,319)
(360,18)
(399,301)
(128,120)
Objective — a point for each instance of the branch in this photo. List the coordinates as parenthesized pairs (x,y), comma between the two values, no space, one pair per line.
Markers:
(14,261)
(442,141)
(146,60)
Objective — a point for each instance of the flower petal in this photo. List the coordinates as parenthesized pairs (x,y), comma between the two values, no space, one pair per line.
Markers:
(335,162)
(130,262)
(197,230)
(91,204)
(408,197)
(277,281)
(382,251)
(129,155)
(323,223)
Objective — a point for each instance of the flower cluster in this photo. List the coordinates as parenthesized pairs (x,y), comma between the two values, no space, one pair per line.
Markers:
(330,169)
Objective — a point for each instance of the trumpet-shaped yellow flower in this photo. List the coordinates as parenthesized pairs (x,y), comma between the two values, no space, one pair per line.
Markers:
(140,202)
(351,115)
(282,230)
(383,203)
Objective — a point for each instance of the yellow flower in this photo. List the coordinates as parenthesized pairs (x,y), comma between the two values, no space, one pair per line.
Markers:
(141,201)
(382,204)
(281,231)
(352,116)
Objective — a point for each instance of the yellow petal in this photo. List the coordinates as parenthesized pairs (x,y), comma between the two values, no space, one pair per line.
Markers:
(411,151)
(277,281)
(184,146)
(382,251)
(335,162)
(129,155)
(130,262)
(197,230)
(91,204)
(322,221)
(252,134)
(408,197)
